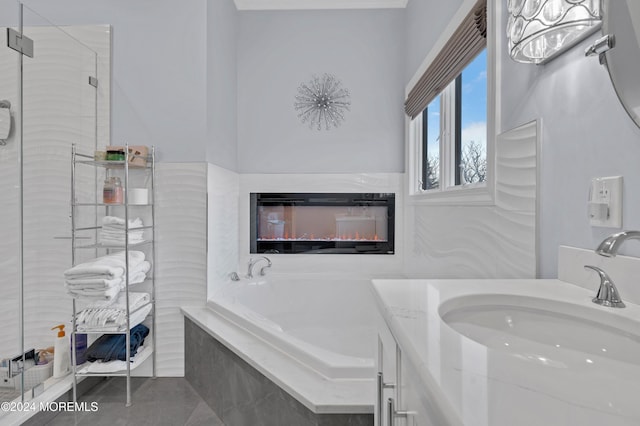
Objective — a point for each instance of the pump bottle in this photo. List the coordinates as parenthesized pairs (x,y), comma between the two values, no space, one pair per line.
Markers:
(61,354)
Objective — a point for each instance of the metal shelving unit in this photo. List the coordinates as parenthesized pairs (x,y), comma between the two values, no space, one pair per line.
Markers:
(123,170)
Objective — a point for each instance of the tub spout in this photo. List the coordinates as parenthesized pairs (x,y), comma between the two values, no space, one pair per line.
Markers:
(609,247)
(253,262)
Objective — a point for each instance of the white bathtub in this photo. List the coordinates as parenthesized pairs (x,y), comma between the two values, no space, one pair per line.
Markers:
(325,324)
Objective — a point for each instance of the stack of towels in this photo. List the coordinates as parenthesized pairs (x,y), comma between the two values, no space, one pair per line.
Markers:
(102,279)
(104,316)
(113,231)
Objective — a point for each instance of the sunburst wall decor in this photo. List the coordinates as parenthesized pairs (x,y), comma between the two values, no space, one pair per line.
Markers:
(322,102)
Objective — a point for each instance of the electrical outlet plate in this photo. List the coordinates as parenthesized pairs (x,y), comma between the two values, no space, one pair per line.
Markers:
(605,202)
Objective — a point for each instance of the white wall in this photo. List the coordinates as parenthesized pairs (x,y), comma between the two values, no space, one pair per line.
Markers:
(159,68)
(585,133)
(277,51)
(222,82)
(424,22)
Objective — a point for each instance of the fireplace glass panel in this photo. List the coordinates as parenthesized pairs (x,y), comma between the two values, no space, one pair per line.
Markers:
(322,223)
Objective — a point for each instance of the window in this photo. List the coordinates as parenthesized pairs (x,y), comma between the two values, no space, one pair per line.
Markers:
(453,136)
(452,118)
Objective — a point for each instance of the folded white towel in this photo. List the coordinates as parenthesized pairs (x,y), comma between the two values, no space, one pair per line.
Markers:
(114,315)
(136,300)
(117,221)
(108,295)
(136,275)
(108,323)
(119,233)
(121,237)
(110,266)
(93,283)
(119,243)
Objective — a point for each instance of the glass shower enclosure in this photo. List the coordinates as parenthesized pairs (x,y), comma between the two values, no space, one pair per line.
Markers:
(51,98)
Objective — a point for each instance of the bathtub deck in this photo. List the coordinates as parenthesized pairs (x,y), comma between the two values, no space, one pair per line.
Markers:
(317,393)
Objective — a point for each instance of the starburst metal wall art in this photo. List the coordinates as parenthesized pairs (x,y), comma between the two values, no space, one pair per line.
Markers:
(322,102)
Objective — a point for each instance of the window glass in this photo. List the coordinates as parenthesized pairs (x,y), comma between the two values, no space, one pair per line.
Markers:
(431,150)
(473,125)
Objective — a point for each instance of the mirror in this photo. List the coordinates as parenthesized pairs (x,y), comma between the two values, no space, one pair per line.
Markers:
(622,20)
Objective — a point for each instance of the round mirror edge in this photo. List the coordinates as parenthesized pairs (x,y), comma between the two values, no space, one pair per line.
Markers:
(606,26)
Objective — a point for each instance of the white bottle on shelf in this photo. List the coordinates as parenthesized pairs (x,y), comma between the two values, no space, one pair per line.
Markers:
(61,354)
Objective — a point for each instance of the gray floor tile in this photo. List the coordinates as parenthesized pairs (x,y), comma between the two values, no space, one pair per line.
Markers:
(203,415)
(156,402)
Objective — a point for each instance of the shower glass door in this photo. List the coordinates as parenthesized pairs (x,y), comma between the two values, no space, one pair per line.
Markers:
(59,109)
(10,297)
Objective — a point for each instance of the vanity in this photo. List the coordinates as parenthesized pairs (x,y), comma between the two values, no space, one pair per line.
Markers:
(504,352)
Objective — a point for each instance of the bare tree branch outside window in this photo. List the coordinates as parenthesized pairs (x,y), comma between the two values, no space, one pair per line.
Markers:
(473,163)
(433,172)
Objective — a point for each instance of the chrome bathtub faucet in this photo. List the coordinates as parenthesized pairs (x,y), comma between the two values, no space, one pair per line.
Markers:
(610,246)
(253,262)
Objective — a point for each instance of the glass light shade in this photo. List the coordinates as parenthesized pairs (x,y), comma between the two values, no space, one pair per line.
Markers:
(538,30)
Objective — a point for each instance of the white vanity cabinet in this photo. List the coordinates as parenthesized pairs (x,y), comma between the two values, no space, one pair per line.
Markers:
(399,397)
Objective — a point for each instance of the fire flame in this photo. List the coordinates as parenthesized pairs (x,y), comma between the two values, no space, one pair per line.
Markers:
(311,237)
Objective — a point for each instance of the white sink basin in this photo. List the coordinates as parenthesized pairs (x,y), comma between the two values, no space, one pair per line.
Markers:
(543,331)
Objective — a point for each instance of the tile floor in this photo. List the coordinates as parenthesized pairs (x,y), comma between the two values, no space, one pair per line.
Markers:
(162,401)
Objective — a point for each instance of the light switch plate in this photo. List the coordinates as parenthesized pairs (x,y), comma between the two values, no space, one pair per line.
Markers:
(604,206)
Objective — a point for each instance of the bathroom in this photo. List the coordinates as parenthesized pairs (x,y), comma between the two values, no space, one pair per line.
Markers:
(212,86)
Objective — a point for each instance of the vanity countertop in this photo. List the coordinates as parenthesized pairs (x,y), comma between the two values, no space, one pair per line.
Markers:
(479,385)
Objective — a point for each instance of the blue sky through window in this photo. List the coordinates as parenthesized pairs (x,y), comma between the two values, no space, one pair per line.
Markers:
(474,107)
(474,101)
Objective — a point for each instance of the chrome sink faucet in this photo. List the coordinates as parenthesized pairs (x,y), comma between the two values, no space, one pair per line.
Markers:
(607,292)
(610,246)
(253,262)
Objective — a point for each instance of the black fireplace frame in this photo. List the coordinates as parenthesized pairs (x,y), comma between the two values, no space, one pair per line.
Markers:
(322,246)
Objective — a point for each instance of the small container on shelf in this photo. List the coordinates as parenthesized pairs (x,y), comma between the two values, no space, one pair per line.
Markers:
(136,157)
(112,192)
(115,154)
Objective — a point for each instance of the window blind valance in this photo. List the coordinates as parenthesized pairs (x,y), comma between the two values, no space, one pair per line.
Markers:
(464,45)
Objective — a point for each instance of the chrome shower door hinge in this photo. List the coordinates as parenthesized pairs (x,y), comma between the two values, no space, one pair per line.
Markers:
(19,42)
(93,81)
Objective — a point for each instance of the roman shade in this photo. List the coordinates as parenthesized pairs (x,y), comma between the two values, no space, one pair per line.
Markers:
(464,45)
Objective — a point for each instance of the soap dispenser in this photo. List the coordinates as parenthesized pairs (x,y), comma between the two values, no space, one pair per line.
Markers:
(61,354)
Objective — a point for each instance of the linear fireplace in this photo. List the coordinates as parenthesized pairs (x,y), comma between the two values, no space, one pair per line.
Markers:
(349,223)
